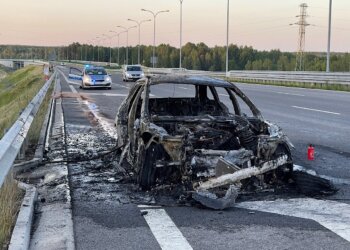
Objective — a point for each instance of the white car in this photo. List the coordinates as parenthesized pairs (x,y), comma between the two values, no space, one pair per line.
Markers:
(132,73)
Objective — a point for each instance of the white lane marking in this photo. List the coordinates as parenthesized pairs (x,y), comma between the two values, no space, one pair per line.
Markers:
(169,237)
(73,89)
(316,110)
(334,216)
(285,93)
(224,95)
(149,206)
(105,94)
(183,88)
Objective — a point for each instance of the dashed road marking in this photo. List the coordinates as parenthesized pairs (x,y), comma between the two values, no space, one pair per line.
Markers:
(316,110)
(285,93)
(165,231)
(224,95)
(183,88)
(334,216)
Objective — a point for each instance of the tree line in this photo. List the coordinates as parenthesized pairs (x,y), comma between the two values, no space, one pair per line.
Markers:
(195,56)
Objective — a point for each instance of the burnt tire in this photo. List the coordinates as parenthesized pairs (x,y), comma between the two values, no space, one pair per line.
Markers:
(312,185)
(147,177)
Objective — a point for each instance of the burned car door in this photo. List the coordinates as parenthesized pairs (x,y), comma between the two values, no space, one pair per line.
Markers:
(121,121)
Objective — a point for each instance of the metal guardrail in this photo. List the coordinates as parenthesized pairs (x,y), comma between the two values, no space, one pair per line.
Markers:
(12,141)
(283,76)
(293,76)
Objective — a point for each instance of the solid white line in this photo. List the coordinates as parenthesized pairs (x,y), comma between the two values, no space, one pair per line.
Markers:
(285,93)
(165,231)
(334,216)
(316,110)
(149,206)
(73,89)
(105,94)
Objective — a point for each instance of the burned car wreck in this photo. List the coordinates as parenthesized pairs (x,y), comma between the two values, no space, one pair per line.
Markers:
(199,139)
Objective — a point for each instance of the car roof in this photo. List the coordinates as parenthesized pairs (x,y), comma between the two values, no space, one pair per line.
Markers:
(188,79)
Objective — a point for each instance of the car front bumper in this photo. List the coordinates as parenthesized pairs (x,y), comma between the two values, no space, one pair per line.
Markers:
(97,84)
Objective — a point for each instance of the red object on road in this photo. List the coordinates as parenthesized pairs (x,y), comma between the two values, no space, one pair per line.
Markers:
(311,153)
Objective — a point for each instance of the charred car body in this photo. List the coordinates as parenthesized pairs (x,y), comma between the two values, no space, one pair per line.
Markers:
(200,139)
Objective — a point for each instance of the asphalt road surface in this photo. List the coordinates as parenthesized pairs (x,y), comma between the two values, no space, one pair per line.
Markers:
(106,221)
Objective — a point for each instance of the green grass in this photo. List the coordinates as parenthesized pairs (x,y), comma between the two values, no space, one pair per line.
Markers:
(10,202)
(324,86)
(35,128)
(16,91)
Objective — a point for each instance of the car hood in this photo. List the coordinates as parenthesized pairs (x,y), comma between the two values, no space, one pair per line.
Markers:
(97,77)
(134,72)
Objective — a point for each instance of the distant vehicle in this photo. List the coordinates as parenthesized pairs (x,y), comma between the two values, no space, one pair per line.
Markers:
(92,77)
(132,72)
(63,64)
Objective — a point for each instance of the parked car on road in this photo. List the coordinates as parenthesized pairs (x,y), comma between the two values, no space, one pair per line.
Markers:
(91,77)
(132,73)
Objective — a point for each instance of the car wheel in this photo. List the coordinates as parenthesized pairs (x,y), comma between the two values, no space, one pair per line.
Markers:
(147,176)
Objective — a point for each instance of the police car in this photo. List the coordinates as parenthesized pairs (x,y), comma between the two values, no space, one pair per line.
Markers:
(95,77)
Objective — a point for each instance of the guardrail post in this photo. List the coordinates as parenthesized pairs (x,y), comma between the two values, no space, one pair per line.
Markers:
(22,152)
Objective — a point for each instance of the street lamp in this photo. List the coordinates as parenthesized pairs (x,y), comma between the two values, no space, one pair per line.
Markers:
(154,31)
(118,34)
(98,49)
(227,35)
(139,25)
(110,48)
(180,34)
(329,37)
(127,40)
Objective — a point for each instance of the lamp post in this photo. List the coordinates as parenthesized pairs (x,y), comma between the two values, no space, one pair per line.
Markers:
(139,25)
(127,40)
(154,30)
(110,48)
(227,35)
(180,66)
(329,37)
(98,49)
(118,34)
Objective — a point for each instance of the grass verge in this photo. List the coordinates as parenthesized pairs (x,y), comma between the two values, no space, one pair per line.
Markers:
(35,128)
(10,202)
(16,91)
(306,85)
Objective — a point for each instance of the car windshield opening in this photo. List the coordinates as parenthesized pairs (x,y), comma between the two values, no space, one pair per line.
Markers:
(133,68)
(96,72)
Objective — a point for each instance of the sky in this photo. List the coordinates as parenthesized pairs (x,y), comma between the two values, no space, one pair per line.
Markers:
(263,24)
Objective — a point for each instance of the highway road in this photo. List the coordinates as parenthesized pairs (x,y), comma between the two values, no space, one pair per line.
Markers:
(107,215)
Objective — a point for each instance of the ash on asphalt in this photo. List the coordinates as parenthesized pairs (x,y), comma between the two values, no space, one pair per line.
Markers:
(100,179)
